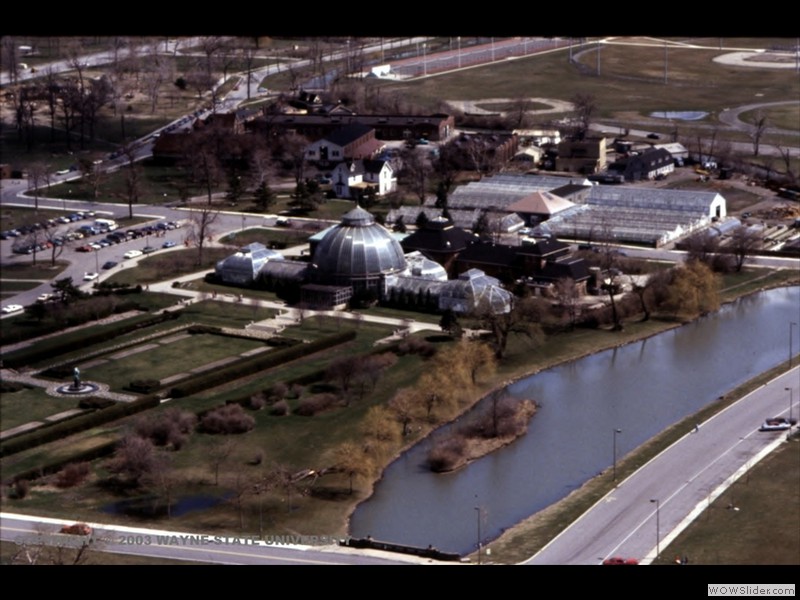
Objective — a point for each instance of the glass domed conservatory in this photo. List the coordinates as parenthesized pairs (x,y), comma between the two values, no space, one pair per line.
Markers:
(359,253)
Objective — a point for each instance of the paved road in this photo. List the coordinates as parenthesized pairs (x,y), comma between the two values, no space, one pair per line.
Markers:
(684,479)
(197,547)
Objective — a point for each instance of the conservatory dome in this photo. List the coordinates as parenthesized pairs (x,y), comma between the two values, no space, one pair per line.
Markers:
(358,252)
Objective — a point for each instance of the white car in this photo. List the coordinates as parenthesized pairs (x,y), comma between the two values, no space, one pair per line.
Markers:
(12,308)
(90,276)
(45,297)
(132,254)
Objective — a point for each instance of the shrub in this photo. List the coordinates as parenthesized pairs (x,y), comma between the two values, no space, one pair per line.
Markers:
(416,346)
(256,401)
(19,489)
(446,454)
(227,419)
(7,387)
(144,386)
(280,408)
(276,392)
(171,427)
(72,475)
(94,402)
(315,404)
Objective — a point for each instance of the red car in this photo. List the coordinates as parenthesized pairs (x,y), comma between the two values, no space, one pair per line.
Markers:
(77,529)
(85,248)
(618,560)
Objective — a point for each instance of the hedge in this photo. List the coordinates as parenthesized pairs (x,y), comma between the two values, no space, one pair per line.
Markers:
(50,433)
(56,465)
(50,349)
(250,365)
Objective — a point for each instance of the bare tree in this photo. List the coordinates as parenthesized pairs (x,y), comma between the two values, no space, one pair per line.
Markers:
(134,459)
(92,175)
(25,101)
(405,405)
(759,127)
(164,478)
(201,229)
(585,108)
(569,298)
(218,454)
(519,112)
(786,156)
(132,178)
(10,60)
(744,241)
(38,176)
(415,173)
(204,165)
(522,319)
(57,243)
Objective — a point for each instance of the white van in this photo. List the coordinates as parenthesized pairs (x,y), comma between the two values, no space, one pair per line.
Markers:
(107,224)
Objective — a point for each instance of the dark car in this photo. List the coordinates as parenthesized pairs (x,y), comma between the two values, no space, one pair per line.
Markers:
(109,264)
(148,249)
(653,136)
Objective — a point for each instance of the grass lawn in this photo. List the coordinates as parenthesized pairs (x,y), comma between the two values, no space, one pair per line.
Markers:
(277,238)
(168,265)
(9,288)
(30,404)
(169,358)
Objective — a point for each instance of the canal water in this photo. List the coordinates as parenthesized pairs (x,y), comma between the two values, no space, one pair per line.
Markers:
(640,388)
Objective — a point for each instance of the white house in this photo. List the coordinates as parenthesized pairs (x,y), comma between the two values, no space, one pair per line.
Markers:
(351,178)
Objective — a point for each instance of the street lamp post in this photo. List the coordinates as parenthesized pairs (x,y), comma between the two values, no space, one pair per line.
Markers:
(478,509)
(610,289)
(791,401)
(424,59)
(791,324)
(616,431)
(658,526)
(96,261)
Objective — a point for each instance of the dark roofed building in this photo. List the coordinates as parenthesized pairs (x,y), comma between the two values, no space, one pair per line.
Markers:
(531,260)
(436,127)
(439,240)
(350,142)
(647,165)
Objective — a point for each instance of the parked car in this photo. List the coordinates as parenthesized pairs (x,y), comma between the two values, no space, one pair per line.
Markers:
(777,424)
(169,244)
(618,560)
(12,308)
(132,254)
(77,529)
(653,136)
(109,264)
(148,249)
(90,276)
(45,297)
